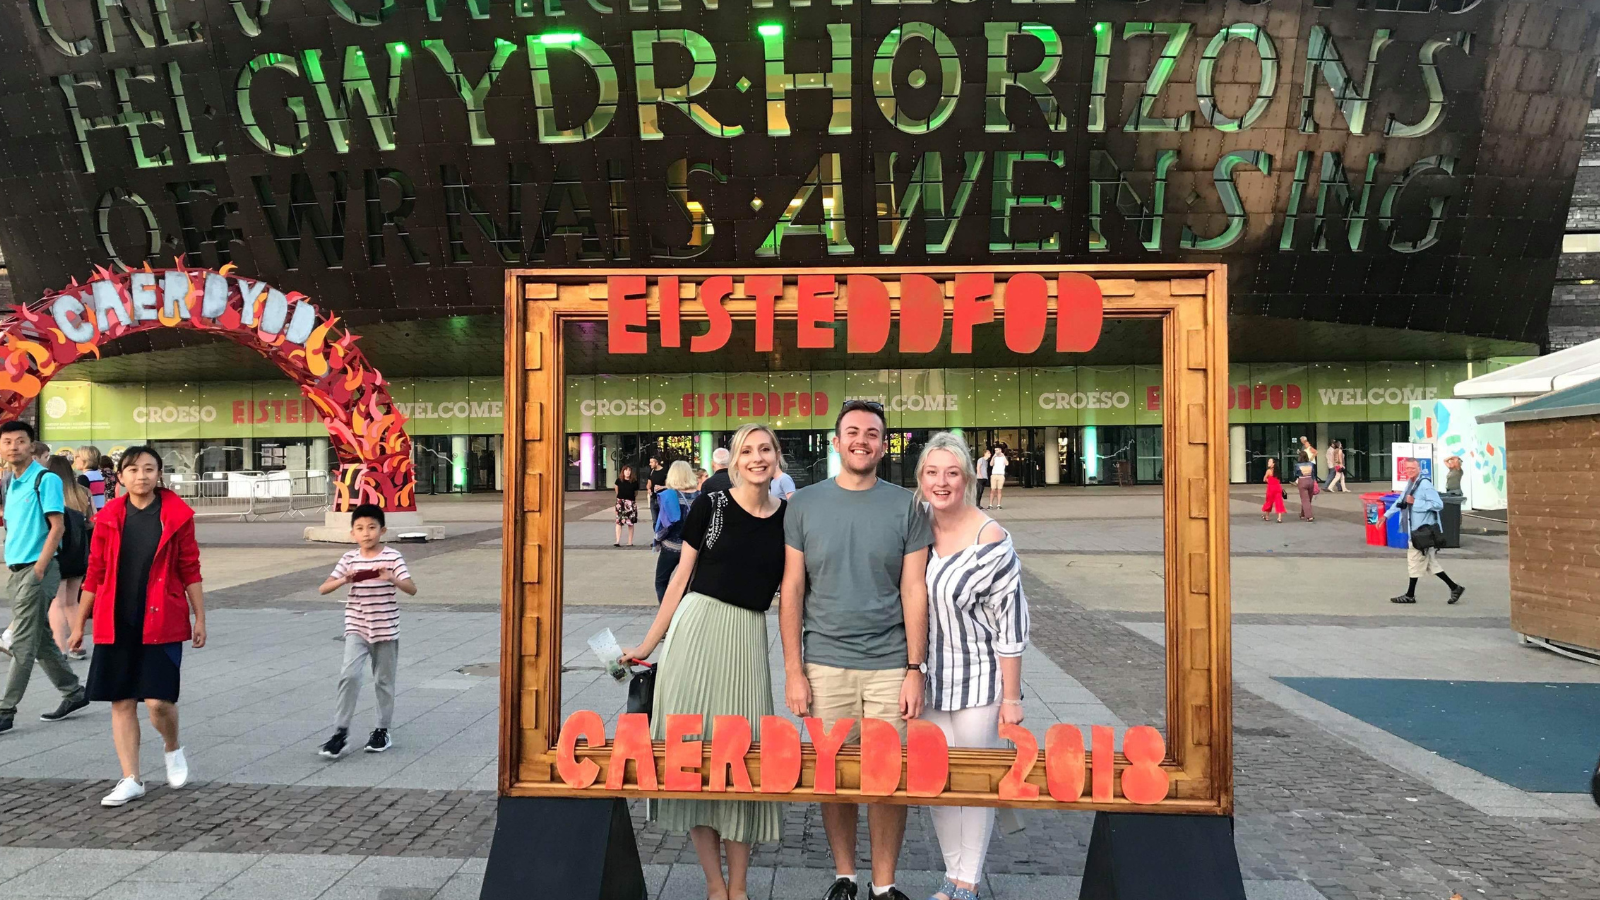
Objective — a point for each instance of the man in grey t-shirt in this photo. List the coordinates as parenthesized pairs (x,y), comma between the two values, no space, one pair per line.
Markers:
(854,620)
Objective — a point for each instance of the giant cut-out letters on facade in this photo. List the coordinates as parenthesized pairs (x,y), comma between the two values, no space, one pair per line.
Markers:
(366,428)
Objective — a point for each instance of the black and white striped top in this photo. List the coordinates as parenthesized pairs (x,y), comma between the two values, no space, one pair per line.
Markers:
(977,613)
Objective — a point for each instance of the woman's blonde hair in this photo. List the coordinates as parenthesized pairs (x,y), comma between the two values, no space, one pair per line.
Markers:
(75,494)
(738,442)
(90,455)
(956,447)
(681,476)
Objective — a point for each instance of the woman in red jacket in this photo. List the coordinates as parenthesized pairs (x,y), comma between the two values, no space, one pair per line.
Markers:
(143,581)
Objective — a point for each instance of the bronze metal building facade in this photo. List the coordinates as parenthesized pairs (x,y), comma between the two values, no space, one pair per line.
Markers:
(1359,164)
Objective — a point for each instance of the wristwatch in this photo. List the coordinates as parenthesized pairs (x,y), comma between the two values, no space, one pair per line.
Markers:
(917,667)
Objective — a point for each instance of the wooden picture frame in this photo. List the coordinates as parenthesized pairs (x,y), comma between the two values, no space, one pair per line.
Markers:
(1190,301)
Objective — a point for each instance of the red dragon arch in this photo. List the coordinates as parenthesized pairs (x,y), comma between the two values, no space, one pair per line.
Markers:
(365,427)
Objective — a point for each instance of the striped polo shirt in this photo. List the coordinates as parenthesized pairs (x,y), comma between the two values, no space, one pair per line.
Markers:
(372,609)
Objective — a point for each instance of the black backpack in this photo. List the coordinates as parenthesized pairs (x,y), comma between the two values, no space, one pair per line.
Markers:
(73,554)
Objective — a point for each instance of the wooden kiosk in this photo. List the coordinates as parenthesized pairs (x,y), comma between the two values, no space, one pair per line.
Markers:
(1552,452)
(562,778)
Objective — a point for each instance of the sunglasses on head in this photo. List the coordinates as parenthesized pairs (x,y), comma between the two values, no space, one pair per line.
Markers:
(869,405)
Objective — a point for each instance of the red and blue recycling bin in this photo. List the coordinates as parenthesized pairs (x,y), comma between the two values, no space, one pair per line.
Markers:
(1374,506)
(1396,528)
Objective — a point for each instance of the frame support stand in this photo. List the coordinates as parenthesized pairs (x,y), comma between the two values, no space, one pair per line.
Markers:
(1143,856)
(562,847)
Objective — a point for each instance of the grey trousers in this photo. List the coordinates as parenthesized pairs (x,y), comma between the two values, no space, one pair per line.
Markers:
(385,659)
(31,639)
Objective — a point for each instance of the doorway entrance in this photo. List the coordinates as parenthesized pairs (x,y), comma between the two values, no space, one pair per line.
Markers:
(1279,442)
(1367,450)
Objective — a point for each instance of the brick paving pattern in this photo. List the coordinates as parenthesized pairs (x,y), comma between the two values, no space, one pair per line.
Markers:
(1311,806)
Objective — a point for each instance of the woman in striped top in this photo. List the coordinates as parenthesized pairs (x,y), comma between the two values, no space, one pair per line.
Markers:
(977,628)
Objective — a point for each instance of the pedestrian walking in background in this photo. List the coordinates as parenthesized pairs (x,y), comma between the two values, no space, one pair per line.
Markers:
(73,556)
(977,630)
(34,526)
(1275,492)
(997,476)
(656,481)
(1452,475)
(40,452)
(672,505)
(718,480)
(1310,452)
(713,622)
(1336,467)
(108,474)
(375,573)
(86,460)
(783,486)
(1419,509)
(627,505)
(142,587)
(1306,480)
(982,477)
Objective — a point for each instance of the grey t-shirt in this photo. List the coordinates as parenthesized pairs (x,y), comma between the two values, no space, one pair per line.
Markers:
(855,543)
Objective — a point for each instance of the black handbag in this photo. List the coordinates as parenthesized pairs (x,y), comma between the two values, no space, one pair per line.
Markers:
(1427,537)
(642,690)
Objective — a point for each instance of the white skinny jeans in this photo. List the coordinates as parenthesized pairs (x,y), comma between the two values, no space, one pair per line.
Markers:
(964,831)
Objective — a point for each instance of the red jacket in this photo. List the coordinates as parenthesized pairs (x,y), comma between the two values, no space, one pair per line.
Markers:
(175,567)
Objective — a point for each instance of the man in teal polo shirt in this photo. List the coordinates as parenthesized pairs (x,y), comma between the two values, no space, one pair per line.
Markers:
(34,526)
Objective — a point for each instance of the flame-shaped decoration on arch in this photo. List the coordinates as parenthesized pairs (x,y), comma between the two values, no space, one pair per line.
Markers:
(365,427)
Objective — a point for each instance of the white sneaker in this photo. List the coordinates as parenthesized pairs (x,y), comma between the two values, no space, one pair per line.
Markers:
(5,641)
(126,789)
(177,769)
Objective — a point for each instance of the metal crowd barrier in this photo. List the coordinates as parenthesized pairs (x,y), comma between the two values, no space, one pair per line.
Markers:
(251,495)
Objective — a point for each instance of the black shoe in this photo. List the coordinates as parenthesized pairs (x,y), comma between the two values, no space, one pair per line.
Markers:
(842,889)
(378,741)
(67,708)
(892,894)
(1456,592)
(1403,598)
(9,722)
(334,748)
(1594,784)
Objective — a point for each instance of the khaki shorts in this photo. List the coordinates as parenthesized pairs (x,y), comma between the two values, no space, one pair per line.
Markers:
(855,694)
(1422,562)
(996,482)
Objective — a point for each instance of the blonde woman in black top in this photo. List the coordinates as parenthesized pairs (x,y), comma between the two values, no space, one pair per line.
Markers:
(712,628)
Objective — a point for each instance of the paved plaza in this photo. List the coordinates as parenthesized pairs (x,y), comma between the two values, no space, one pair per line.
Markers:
(1381,751)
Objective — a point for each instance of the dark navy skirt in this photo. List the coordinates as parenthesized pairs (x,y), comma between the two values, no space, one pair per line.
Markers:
(135,672)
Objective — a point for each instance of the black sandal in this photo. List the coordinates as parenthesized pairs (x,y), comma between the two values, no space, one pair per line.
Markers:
(1403,598)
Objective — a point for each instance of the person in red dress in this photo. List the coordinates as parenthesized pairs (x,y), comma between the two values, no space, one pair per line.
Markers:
(1274,502)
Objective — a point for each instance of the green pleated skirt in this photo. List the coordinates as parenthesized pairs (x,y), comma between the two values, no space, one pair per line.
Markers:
(714,663)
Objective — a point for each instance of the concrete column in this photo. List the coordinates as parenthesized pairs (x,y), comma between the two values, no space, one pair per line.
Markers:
(458,462)
(1052,454)
(321,458)
(614,460)
(1091,455)
(1238,455)
(1321,443)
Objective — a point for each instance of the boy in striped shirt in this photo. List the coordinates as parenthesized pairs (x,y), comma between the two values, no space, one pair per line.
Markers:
(374,571)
